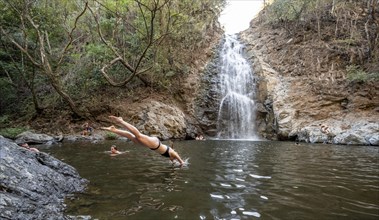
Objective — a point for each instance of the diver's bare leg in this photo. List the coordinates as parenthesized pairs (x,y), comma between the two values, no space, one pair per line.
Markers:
(123,133)
(150,142)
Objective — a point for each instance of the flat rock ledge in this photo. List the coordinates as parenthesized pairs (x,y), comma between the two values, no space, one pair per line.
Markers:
(34,185)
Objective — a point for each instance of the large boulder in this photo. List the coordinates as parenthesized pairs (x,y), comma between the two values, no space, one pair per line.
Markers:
(33,185)
(161,120)
(360,134)
(363,133)
(35,138)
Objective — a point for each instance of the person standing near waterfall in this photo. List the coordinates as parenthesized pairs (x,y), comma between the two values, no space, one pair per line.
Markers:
(136,136)
(326,130)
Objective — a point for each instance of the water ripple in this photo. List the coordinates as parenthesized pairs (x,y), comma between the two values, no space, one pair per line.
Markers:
(228,180)
(259,177)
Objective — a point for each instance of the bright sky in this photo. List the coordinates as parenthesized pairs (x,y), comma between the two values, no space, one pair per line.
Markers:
(238,14)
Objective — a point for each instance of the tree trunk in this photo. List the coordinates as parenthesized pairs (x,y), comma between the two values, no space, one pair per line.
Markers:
(66,98)
(37,106)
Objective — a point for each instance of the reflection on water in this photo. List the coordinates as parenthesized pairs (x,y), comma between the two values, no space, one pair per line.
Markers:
(227,180)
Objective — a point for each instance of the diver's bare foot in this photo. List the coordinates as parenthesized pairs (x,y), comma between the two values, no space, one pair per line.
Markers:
(110,128)
(116,119)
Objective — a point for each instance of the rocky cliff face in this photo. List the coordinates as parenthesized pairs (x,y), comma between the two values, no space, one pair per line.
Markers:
(208,96)
(302,85)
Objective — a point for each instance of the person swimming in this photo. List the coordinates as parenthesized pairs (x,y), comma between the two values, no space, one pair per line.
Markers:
(136,136)
(26,145)
(114,150)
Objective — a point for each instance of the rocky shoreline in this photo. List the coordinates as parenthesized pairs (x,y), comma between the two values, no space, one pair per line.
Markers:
(364,133)
(33,185)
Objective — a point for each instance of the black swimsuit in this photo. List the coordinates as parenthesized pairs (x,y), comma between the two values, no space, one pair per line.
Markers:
(166,153)
(156,147)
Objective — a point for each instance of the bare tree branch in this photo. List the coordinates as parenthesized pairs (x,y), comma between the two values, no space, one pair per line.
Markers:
(22,49)
(70,34)
(148,15)
(105,74)
(118,58)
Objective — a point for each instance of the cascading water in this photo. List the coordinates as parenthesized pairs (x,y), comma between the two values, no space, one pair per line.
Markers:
(236,116)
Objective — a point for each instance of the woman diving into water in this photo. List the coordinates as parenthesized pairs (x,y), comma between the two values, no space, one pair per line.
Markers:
(136,136)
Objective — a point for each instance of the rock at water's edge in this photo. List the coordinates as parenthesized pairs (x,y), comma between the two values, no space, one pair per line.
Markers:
(33,185)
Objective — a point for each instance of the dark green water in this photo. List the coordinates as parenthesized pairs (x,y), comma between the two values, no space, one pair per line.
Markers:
(226,180)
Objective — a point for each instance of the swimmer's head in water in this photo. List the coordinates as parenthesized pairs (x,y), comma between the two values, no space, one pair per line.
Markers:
(113,148)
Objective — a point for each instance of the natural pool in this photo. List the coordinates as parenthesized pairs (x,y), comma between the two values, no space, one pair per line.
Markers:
(226,179)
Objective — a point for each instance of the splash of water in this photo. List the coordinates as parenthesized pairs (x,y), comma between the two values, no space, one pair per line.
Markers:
(176,163)
(236,116)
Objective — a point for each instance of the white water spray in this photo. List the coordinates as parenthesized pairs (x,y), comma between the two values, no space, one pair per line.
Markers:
(236,116)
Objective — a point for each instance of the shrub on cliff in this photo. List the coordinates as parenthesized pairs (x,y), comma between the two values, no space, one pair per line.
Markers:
(12,132)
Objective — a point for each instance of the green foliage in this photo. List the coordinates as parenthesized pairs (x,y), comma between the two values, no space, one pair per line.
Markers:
(177,28)
(110,136)
(286,10)
(97,52)
(120,6)
(9,98)
(298,10)
(4,120)
(12,132)
(357,74)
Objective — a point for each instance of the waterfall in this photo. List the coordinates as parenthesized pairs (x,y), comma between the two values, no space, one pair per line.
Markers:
(236,116)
